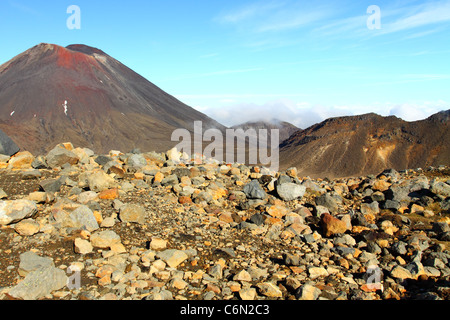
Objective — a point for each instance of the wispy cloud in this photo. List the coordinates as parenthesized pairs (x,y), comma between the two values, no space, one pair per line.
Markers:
(395,18)
(422,15)
(304,114)
(24,8)
(423,33)
(248,11)
(263,17)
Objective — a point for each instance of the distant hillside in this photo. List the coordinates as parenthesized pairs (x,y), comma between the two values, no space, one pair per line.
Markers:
(286,129)
(367,144)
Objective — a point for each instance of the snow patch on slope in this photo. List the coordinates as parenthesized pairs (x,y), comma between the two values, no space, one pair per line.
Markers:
(65,107)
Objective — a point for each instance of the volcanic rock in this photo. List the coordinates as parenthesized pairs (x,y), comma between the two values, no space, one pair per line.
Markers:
(222,245)
(253,190)
(39,283)
(7,146)
(59,156)
(332,225)
(16,210)
(290,191)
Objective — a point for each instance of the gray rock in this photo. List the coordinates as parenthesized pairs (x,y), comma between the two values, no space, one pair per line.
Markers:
(440,227)
(445,205)
(346,240)
(159,157)
(291,260)
(370,208)
(7,145)
(328,201)
(15,210)
(391,204)
(31,261)
(397,193)
(378,196)
(163,295)
(343,251)
(441,188)
(390,173)
(312,186)
(105,239)
(203,196)
(290,191)
(39,283)
(373,247)
(216,271)
(401,273)
(133,213)
(97,180)
(172,257)
(182,172)
(60,156)
(257,219)
(39,163)
(445,236)
(399,248)
(51,185)
(283,179)
(253,190)
(83,217)
(170,180)
(228,251)
(102,160)
(308,292)
(136,161)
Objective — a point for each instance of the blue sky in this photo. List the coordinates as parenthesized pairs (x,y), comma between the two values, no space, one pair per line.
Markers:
(299,61)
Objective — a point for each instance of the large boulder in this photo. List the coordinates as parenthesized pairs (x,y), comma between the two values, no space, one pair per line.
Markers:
(16,210)
(21,160)
(332,225)
(97,181)
(59,156)
(7,145)
(133,213)
(40,283)
(253,190)
(83,217)
(290,191)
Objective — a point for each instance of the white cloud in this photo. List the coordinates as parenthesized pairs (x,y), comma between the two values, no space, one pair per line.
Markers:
(301,114)
(276,16)
(420,16)
(304,114)
(415,111)
(394,18)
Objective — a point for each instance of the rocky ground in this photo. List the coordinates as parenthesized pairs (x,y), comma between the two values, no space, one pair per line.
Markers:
(76,225)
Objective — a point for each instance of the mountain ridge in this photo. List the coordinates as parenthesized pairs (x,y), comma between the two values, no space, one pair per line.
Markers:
(80,94)
(367,144)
